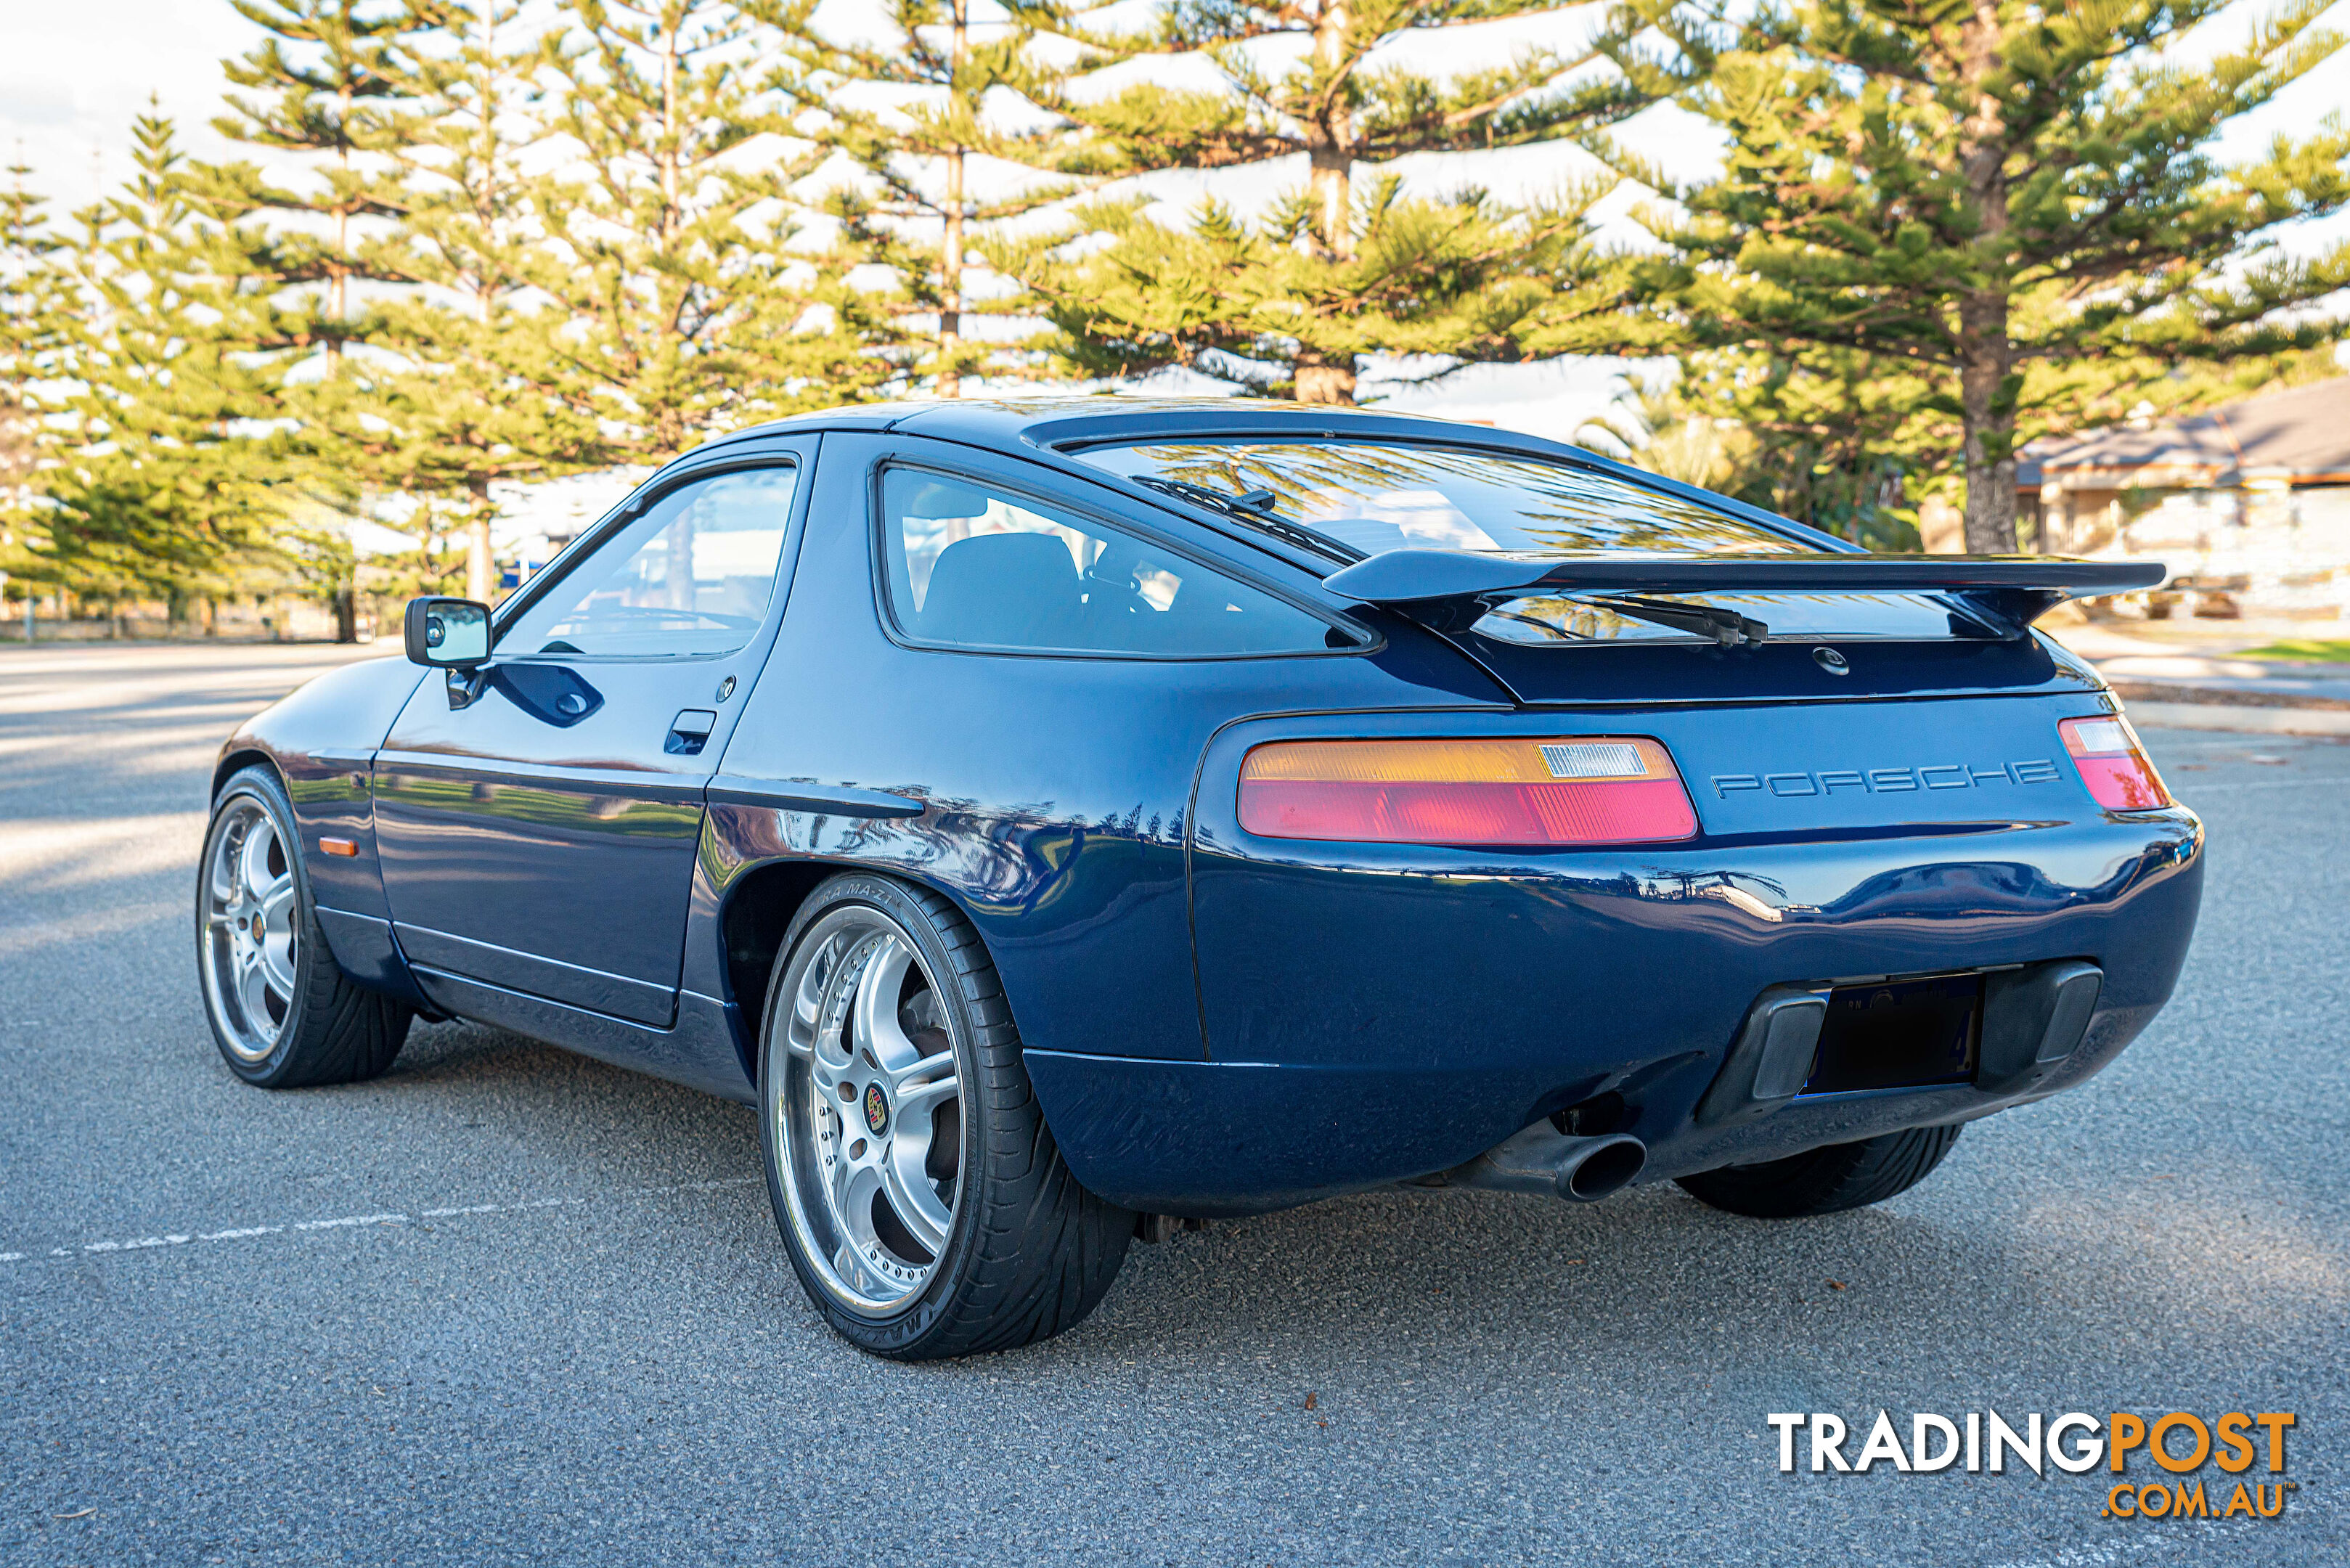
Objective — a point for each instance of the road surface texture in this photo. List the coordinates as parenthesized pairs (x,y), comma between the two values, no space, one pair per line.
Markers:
(509,1305)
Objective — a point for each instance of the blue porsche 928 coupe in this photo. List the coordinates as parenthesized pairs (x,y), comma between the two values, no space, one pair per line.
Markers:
(1063,820)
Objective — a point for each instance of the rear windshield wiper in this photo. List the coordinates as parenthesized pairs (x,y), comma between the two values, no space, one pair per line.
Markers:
(1254,507)
(1726,626)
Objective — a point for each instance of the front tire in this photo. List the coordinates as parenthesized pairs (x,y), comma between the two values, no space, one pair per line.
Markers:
(283,1013)
(924,1202)
(1824,1180)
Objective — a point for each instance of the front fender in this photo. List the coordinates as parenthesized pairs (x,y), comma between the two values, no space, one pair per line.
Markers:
(320,740)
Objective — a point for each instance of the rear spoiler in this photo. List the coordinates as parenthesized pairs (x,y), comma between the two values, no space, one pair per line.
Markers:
(1449,589)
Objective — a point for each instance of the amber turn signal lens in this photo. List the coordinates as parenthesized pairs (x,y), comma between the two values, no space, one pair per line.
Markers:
(2112,763)
(1529,794)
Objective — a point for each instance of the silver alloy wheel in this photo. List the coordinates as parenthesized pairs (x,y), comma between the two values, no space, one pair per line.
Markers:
(249,937)
(868,1126)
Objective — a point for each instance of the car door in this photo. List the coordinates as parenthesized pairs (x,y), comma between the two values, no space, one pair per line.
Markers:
(538,820)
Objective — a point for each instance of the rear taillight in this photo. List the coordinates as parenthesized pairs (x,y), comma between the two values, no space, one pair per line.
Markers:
(1573,790)
(2113,764)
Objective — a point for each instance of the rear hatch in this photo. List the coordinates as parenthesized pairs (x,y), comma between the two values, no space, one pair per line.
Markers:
(1829,670)
(1573,579)
(1809,626)
(1770,652)
(1798,695)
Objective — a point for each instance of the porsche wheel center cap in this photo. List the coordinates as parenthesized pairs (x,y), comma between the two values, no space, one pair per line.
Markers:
(877,1109)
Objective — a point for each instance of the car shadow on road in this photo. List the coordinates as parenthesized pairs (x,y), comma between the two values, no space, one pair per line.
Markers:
(1357,1292)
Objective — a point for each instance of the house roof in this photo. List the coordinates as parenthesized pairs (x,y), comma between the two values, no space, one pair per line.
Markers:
(2301,433)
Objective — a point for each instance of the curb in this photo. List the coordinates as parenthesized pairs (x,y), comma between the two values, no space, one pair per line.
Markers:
(2179,693)
(2181,705)
(2258,720)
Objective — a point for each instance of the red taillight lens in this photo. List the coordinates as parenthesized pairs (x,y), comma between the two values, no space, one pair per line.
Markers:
(1572,790)
(2113,764)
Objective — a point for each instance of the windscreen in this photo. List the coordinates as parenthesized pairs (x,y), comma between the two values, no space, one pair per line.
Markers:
(1376,496)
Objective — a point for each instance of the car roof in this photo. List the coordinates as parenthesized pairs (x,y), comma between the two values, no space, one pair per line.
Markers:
(1049,422)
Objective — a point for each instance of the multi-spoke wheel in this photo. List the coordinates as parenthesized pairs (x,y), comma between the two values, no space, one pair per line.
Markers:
(871,1106)
(250,939)
(921,1196)
(282,1012)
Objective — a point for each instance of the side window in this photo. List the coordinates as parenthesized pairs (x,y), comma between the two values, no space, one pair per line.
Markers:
(970,567)
(693,575)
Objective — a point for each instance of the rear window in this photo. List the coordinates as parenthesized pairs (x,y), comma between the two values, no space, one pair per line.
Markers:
(1376,496)
(1379,497)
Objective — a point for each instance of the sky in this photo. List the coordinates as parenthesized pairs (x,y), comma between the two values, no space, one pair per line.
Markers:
(73,76)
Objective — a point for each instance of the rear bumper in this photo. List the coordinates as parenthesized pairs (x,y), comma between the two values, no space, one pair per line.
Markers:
(1399,1014)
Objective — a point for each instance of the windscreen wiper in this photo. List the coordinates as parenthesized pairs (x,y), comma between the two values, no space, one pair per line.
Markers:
(1254,507)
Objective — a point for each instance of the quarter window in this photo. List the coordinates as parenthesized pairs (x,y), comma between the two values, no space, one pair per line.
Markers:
(969,566)
(692,576)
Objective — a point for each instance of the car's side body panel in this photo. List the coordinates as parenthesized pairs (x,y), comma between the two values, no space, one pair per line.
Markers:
(698,1049)
(1054,789)
(540,836)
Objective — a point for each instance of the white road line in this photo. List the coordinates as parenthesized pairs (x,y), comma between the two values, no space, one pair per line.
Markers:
(359,1222)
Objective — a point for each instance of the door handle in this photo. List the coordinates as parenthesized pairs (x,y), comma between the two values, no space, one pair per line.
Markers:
(690,731)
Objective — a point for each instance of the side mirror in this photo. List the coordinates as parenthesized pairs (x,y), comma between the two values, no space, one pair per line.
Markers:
(447,634)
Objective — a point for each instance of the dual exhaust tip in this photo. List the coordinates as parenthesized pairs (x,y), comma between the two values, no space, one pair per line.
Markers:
(1547,1163)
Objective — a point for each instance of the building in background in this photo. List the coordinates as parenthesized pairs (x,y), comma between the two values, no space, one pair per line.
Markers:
(2249,504)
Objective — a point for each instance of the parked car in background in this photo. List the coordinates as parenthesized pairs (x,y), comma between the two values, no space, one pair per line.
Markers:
(1061,819)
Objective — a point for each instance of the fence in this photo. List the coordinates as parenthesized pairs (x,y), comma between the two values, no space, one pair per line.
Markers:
(285,620)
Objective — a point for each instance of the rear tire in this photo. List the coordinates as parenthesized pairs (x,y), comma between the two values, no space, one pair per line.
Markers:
(283,1012)
(921,1198)
(1824,1180)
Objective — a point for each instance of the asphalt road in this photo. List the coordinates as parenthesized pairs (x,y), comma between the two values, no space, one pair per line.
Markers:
(509,1305)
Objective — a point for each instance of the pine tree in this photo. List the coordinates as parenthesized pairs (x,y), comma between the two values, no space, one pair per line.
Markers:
(298,258)
(1857,445)
(2005,204)
(180,472)
(1462,279)
(687,312)
(973,101)
(1823,436)
(31,350)
(334,99)
(1291,301)
(472,392)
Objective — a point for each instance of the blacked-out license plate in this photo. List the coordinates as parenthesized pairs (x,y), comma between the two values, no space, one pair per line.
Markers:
(1903,1035)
